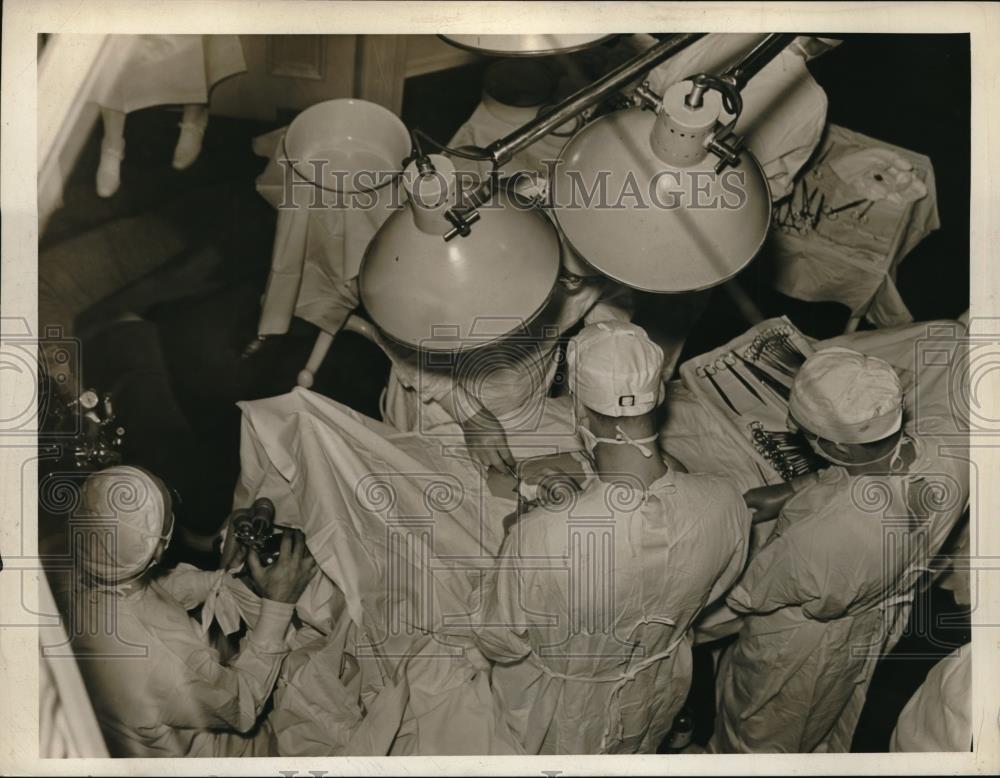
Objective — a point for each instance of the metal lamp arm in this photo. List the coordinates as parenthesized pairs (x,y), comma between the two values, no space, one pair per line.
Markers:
(732,82)
(755,60)
(503,149)
(724,143)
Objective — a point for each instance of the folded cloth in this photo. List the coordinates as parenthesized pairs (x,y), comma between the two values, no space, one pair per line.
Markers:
(938,716)
(317,704)
(880,174)
(854,261)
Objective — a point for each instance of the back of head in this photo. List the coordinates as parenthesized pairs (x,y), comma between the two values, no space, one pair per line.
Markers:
(846,397)
(126,511)
(614,369)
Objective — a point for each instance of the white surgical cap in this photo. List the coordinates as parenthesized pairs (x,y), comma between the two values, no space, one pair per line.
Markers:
(123,513)
(615,369)
(847,397)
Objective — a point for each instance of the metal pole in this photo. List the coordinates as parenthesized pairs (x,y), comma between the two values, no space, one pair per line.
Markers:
(503,149)
(758,57)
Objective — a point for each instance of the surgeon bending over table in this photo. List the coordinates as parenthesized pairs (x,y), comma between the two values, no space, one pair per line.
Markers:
(589,609)
(831,590)
(499,392)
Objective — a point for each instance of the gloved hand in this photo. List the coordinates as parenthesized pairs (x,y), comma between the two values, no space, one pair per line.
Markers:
(550,484)
(287,578)
(487,440)
(766,502)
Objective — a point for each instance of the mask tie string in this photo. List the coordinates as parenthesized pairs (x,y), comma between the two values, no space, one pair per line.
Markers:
(623,438)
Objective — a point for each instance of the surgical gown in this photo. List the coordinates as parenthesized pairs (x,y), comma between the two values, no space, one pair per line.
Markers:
(831,591)
(588,615)
(157,685)
(510,379)
(938,716)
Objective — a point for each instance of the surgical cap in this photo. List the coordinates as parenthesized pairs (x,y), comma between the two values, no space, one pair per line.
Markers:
(123,512)
(847,397)
(615,369)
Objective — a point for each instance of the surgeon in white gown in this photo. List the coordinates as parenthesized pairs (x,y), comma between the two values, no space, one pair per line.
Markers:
(496,396)
(157,685)
(831,590)
(588,613)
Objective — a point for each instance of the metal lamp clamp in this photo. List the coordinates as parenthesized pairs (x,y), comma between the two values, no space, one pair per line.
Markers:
(727,146)
(646,98)
(461,219)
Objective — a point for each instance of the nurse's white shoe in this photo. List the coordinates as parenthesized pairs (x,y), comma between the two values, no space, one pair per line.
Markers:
(189,143)
(109,169)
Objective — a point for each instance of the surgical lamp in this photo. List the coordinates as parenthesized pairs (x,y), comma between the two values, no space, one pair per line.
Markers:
(524,45)
(685,207)
(442,274)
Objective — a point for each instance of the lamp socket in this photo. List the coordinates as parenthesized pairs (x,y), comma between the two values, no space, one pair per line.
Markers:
(681,131)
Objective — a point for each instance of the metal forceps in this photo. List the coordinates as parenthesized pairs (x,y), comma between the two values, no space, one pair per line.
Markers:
(728,362)
(707,371)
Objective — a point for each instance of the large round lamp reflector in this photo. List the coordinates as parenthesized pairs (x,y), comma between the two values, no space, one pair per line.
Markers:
(465,293)
(653,225)
(524,45)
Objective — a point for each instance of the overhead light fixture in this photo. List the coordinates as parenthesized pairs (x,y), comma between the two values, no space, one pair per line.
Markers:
(525,45)
(649,201)
(667,200)
(442,275)
(445,275)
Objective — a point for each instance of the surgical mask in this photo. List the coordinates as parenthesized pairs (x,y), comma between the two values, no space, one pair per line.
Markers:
(590,440)
(894,456)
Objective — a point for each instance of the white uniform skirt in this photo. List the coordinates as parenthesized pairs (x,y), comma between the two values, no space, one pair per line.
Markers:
(167,69)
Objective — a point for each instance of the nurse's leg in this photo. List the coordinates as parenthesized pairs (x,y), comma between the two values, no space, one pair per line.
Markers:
(193,124)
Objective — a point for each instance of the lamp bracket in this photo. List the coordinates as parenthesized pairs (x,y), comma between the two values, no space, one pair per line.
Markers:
(727,146)
(647,99)
(461,219)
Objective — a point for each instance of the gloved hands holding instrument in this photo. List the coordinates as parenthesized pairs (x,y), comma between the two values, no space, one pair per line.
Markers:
(278,562)
(287,578)
(766,502)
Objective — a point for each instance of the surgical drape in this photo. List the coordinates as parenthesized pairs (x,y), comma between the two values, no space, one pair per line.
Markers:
(405,529)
